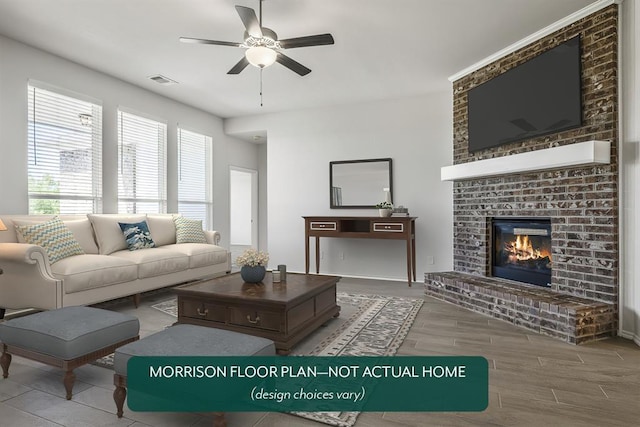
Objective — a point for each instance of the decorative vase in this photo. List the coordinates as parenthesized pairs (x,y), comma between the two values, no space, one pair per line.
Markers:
(253,274)
(385,212)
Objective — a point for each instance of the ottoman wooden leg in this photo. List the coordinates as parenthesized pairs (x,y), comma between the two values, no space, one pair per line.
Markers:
(69,379)
(219,419)
(119,396)
(120,393)
(5,361)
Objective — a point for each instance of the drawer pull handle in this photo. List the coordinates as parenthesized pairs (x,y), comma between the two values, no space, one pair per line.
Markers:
(253,321)
(203,313)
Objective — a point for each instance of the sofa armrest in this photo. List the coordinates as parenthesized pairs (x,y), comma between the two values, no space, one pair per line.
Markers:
(213,237)
(27,254)
(27,280)
(21,252)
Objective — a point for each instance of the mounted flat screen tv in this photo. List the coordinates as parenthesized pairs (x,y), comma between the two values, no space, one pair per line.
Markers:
(540,97)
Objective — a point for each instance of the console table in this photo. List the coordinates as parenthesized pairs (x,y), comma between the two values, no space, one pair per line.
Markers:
(358,227)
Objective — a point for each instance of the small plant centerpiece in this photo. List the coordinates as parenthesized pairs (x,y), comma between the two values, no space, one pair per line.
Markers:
(384,208)
(252,265)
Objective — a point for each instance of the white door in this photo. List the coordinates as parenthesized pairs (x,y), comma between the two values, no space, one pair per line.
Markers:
(243,205)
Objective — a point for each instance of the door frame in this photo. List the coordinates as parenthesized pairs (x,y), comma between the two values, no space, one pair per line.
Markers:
(254,202)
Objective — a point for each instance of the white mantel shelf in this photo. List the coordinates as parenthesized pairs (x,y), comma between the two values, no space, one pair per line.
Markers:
(580,154)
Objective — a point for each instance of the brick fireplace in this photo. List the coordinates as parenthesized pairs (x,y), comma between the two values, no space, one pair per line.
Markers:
(580,204)
(521,250)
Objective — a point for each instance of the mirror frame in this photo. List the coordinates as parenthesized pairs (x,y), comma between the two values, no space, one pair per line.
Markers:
(342,162)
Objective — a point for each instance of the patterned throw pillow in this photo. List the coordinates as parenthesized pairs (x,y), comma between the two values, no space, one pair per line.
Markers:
(189,230)
(54,237)
(137,235)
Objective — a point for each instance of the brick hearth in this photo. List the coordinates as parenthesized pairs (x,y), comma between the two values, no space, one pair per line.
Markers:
(567,317)
(581,202)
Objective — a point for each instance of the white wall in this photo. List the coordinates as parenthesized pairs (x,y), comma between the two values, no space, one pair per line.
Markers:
(415,132)
(630,168)
(19,63)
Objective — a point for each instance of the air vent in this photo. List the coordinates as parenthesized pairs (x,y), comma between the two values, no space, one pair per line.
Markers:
(159,78)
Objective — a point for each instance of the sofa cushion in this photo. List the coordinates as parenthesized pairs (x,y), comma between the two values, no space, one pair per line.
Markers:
(137,235)
(189,230)
(91,271)
(108,233)
(54,237)
(155,262)
(200,254)
(83,233)
(162,229)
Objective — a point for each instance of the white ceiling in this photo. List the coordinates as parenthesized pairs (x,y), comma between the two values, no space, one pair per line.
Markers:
(383,49)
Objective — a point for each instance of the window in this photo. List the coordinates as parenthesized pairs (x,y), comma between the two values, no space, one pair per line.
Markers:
(65,153)
(142,159)
(194,176)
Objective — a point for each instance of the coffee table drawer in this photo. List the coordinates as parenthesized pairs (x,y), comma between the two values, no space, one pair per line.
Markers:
(255,318)
(203,311)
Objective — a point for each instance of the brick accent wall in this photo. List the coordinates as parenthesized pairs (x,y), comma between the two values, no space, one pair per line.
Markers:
(582,203)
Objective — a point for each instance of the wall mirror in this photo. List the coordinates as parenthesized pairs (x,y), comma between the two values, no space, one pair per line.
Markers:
(359,183)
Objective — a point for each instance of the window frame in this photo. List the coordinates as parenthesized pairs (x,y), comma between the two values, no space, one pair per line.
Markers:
(208,175)
(161,128)
(64,129)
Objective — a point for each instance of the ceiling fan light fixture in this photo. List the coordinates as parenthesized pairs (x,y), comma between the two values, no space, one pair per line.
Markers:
(260,56)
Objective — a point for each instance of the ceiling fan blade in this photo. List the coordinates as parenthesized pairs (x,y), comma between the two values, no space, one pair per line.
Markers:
(317,40)
(250,21)
(292,65)
(205,41)
(241,65)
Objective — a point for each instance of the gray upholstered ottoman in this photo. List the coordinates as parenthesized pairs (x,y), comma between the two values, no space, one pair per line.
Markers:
(66,338)
(186,340)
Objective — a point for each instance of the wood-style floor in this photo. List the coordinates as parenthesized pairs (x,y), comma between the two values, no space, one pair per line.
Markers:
(533,380)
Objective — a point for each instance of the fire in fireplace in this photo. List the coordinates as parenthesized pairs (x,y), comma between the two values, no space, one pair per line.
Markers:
(522,250)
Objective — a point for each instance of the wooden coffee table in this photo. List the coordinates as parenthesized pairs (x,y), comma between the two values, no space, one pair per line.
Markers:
(284,312)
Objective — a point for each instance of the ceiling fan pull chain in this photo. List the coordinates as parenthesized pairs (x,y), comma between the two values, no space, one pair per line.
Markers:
(261,87)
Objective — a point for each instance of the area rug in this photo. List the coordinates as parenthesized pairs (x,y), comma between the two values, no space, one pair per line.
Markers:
(376,326)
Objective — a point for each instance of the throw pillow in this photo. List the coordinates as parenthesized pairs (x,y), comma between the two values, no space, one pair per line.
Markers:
(137,235)
(108,233)
(189,230)
(54,237)
(162,228)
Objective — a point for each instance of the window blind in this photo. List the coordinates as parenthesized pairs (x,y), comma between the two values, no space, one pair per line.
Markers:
(64,154)
(142,159)
(194,176)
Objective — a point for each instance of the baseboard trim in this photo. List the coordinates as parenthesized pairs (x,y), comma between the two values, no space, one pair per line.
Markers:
(352,276)
(630,336)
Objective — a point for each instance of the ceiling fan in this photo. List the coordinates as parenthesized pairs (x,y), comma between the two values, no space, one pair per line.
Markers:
(263,46)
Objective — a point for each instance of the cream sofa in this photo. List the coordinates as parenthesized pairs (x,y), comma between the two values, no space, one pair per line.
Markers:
(108,269)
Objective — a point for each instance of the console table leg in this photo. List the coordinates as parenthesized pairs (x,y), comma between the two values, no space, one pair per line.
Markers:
(409,258)
(413,256)
(306,253)
(317,255)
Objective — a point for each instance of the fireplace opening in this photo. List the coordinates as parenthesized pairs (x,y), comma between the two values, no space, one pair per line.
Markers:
(521,250)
